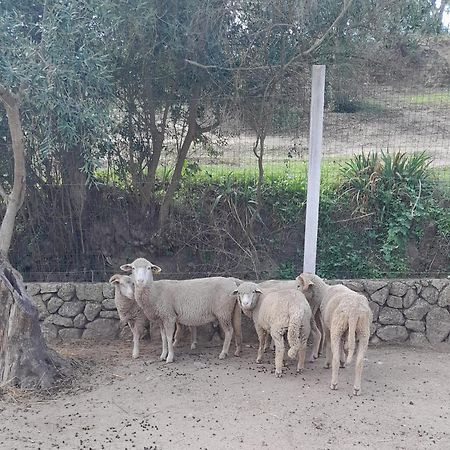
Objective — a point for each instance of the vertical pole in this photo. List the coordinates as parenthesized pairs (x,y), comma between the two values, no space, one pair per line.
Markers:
(315,154)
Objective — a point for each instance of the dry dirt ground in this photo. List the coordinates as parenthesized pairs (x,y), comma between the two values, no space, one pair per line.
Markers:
(200,402)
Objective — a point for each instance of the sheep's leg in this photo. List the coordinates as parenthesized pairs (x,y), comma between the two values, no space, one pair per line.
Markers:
(336,338)
(266,342)
(327,349)
(362,347)
(228,330)
(193,337)
(136,338)
(321,326)
(279,353)
(342,356)
(301,357)
(164,343)
(169,328)
(178,333)
(316,337)
(262,338)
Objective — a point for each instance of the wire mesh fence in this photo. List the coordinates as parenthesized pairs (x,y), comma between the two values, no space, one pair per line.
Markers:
(218,224)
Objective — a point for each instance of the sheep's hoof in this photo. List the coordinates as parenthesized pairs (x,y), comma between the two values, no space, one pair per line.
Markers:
(135,355)
(223,355)
(311,360)
(356,391)
(193,345)
(342,365)
(333,386)
(327,365)
(169,359)
(237,352)
(278,373)
(163,357)
(300,370)
(258,360)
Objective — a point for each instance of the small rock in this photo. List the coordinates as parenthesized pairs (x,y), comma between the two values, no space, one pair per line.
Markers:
(102,329)
(80,321)
(71,309)
(109,314)
(418,340)
(50,287)
(108,290)
(430,294)
(444,298)
(409,298)
(395,302)
(56,319)
(109,304)
(66,292)
(373,328)
(398,289)
(375,310)
(69,334)
(438,325)
(47,297)
(49,331)
(380,296)
(90,292)
(418,310)
(91,310)
(392,333)
(372,286)
(391,316)
(415,325)
(53,304)
(33,288)
(439,283)
(354,285)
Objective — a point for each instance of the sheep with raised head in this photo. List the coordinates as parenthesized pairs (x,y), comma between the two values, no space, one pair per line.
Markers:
(189,302)
(129,311)
(316,335)
(277,313)
(345,313)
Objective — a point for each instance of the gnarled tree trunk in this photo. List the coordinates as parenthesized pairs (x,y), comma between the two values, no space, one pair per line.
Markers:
(25,359)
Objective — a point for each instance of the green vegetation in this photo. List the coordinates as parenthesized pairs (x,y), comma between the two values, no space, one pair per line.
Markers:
(433,98)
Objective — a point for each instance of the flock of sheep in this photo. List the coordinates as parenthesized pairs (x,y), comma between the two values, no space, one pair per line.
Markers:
(303,309)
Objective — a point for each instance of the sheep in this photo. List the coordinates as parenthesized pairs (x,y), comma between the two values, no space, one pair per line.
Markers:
(129,311)
(344,312)
(278,312)
(316,335)
(188,302)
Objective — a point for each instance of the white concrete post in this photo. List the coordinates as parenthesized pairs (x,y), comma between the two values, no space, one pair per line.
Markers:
(315,154)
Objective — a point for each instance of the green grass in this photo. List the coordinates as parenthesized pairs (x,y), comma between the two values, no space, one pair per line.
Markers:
(432,98)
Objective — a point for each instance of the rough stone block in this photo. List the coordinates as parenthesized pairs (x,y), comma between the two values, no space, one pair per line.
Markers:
(69,334)
(415,325)
(56,319)
(394,302)
(108,290)
(33,288)
(40,305)
(109,314)
(49,331)
(444,298)
(391,316)
(90,292)
(66,292)
(354,286)
(409,298)
(375,310)
(392,333)
(418,339)
(91,310)
(438,325)
(54,304)
(372,286)
(380,296)
(109,303)
(398,289)
(440,283)
(50,287)
(46,297)
(418,310)
(430,294)
(80,321)
(102,329)
(71,309)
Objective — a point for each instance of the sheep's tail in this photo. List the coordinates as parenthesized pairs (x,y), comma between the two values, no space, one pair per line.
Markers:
(293,334)
(352,322)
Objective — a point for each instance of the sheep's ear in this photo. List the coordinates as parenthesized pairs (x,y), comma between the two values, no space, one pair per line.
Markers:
(156,269)
(305,284)
(114,279)
(258,291)
(126,267)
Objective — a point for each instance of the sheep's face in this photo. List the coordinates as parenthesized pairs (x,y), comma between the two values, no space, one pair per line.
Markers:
(248,295)
(124,284)
(142,271)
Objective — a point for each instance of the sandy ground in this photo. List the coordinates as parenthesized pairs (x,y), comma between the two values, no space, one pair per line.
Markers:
(200,402)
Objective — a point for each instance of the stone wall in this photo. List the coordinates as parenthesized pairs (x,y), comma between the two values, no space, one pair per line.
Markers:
(411,311)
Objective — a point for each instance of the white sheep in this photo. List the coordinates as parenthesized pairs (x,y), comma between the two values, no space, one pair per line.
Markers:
(188,302)
(129,311)
(316,335)
(344,313)
(276,313)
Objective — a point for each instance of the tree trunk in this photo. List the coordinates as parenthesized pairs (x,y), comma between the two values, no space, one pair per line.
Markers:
(15,199)
(25,360)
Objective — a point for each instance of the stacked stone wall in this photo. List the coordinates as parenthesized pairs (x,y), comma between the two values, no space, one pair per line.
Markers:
(404,311)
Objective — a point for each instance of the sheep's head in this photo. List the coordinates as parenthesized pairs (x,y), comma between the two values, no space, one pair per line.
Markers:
(247,294)
(124,284)
(306,284)
(142,271)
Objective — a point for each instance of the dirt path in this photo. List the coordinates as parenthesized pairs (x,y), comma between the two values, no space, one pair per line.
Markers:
(201,402)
